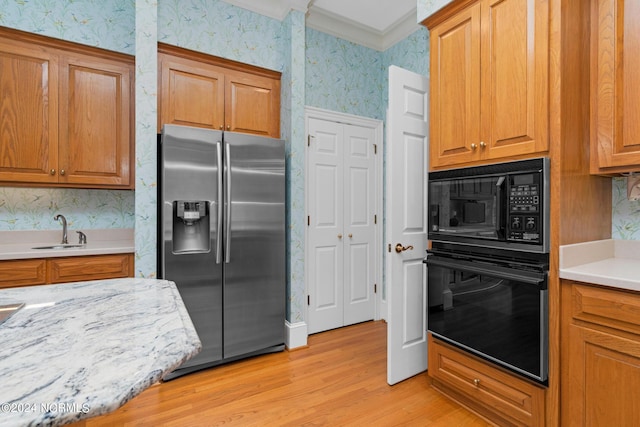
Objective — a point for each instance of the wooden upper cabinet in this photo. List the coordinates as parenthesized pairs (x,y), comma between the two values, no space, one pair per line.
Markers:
(615,86)
(455,88)
(489,82)
(29,112)
(204,91)
(252,104)
(95,131)
(191,93)
(67,113)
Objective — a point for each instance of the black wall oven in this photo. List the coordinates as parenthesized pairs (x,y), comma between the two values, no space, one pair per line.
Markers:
(488,263)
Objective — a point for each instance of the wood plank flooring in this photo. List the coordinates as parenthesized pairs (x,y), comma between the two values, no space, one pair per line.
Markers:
(339,380)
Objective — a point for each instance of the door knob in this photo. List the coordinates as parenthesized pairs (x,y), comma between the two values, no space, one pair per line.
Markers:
(400,248)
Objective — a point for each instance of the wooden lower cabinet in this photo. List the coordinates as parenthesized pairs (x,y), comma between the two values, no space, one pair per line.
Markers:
(41,271)
(489,391)
(600,356)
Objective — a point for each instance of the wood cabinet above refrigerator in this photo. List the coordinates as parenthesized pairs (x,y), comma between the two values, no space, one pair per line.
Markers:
(201,90)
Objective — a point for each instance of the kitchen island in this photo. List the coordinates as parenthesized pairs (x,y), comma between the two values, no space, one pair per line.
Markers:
(83,349)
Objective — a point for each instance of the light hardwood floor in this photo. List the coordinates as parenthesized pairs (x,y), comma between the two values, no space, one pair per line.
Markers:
(339,380)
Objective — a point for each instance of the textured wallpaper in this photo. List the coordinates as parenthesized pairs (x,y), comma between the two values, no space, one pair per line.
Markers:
(343,76)
(626,214)
(108,24)
(221,29)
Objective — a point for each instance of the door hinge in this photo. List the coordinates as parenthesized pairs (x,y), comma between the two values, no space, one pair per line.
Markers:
(375,219)
(308,220)
(308,299)
(375,288)
(389,247)
(375,148)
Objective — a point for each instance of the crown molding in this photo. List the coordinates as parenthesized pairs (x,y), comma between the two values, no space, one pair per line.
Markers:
(335,25)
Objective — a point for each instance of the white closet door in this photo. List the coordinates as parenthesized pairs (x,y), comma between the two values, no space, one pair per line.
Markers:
(326,251)
(359,227)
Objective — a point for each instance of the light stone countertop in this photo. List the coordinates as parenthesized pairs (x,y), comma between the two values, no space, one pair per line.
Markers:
(79,350)
(613,263)
(20,244)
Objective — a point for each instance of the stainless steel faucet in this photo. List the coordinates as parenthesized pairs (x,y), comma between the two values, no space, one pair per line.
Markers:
(64,227)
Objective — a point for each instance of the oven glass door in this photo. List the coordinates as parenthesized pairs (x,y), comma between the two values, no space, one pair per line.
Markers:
(467,208)
(497,312)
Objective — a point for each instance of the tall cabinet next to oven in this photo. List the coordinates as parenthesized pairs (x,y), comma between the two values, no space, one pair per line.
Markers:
(550,118)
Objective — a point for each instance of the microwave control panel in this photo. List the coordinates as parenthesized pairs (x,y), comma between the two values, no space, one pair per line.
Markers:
(525,196)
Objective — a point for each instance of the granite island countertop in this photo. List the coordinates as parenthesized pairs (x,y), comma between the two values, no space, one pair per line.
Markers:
(79,350)
(612,263)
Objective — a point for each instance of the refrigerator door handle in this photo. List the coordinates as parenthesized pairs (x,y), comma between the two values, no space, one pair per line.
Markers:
(227,234)
(220,203)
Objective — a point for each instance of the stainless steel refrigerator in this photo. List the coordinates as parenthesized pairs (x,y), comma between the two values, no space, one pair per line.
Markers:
(222,238)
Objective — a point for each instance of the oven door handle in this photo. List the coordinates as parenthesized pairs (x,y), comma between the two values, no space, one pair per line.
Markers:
(529,277)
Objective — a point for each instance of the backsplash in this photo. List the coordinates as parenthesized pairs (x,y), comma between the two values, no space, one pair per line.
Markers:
(34,208)
(625,220)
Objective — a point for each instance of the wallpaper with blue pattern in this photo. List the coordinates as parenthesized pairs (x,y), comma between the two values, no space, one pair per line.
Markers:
(318,70)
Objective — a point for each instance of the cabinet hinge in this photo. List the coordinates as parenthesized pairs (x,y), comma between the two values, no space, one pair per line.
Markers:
(308,220)
(375,219)
(375,288)
(375,148)
(389,247)
(308,299)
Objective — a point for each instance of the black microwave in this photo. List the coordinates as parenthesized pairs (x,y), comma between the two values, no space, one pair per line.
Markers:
(504,205)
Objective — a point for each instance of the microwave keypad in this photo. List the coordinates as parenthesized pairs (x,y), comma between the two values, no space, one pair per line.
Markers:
(524,202)
(524,198)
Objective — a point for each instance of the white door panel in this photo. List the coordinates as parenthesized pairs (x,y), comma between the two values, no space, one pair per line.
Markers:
(359,161)
(342,233)
(326,227)
(406,224)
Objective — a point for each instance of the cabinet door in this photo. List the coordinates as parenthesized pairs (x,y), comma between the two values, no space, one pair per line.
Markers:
(96,138)
(615,86)
(23,272)
(29,113)
(514,77)
(604,369)
(74,269)
(252,104)
(191,93)
(455,89)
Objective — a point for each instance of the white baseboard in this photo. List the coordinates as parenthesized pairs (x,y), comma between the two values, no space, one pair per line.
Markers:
(295,334)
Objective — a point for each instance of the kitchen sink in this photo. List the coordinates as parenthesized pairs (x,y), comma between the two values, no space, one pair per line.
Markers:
(60,246)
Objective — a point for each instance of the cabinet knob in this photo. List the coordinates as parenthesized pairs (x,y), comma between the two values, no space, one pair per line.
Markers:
(228,127)
(221,127)
(476,382)
(482,144)
(52,171)
(474,146)
(339,236)
(62,172)
(350,235)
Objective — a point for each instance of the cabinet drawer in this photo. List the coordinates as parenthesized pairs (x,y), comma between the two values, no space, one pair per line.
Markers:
(22,272)
(74,269)
(493,393)
(608,307)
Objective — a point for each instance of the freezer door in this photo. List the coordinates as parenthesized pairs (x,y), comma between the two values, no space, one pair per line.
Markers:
(254,269)
(190,173)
